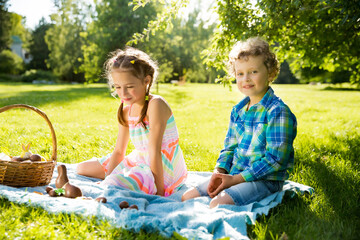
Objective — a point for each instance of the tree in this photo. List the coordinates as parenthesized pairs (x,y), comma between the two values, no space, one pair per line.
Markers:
(38,47)
(64,41)
(17,23)
(312,33)
(286,76)
(113,24)
(178,49)
(5,26)
(10,63)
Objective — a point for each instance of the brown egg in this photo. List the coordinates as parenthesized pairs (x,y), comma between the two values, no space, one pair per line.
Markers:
(35,157)
(72,191)
(134,207)
(52,193)
(124,204)
(26,161)
(48,189)
(101,200)
(17,159)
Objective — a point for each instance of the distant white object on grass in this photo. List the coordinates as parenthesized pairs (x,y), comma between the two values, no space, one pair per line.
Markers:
(42,82)
(174,81)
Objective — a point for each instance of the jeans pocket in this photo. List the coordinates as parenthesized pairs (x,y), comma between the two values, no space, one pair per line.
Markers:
(274,186)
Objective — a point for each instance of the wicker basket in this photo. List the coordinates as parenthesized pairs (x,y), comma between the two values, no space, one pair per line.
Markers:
(28,174)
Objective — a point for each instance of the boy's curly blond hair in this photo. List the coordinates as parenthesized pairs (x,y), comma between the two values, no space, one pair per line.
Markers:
(254,47)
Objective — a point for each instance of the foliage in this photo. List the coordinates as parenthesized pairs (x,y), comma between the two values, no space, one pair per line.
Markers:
(297,29)
(5,77)
(38,48)
(166,70)
(286,76)
(35,74)
(322,76)
(84,119)
(181,46)
(309,33)
(17,23)
(10,62)
(64,41)
(162,20)
(113,24)
(5,26)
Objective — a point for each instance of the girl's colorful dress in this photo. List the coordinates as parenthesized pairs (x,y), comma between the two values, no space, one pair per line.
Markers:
(134,171)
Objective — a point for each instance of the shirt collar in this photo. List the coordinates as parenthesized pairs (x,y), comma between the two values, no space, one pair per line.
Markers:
(264,102)
(267,97)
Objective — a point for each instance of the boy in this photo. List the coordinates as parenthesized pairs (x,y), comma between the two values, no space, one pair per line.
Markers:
(258,152)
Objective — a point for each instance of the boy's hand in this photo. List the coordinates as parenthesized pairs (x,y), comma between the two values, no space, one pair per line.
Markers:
(220,181)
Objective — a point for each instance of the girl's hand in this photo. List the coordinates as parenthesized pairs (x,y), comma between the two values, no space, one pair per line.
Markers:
(221,181)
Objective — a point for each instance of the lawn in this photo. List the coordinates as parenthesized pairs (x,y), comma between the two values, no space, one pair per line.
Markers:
(327,151)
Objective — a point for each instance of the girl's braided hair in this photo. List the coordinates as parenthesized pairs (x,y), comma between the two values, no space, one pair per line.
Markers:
(140,65)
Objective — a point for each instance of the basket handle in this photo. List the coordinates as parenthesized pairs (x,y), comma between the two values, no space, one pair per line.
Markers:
(42,114)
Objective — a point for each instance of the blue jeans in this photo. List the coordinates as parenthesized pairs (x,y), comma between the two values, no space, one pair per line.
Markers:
(247,192)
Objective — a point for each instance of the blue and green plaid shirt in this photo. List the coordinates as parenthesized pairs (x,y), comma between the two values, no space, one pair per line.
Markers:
(259,142)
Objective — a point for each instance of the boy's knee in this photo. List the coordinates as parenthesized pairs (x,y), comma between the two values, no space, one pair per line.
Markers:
(221,199)
(189,194)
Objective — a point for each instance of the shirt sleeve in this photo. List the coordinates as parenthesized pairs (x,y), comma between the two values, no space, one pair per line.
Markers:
(230,143)
(280,134)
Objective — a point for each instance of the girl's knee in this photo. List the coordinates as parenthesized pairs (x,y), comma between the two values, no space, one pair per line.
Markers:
(221,199)
(90,169)
(189,194)
(80,169)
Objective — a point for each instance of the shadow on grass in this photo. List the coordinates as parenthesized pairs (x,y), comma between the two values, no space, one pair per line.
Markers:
(284,219)
(41,97)
(72,93)
(340,89)
(174,95)
(335,169)
(333,211)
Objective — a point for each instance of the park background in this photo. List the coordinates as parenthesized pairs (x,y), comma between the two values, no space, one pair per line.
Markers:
(60,69)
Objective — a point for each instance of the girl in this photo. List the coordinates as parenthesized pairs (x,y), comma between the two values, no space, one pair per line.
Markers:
(157,165)
(258,153)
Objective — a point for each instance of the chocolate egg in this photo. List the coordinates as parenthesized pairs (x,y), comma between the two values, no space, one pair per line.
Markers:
(101,200)
(134,207)
(35,157)
(17,159)
(72,191)
(52,193)
(48,189)
(26,161)
(124,204)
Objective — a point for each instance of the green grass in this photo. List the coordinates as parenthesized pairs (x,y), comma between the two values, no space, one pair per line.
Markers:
(327,151)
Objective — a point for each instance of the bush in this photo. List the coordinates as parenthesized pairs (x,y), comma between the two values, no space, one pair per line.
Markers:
(165,72)
(197,76)
(34,74)
(5,77)
(286,76)
(11,63)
